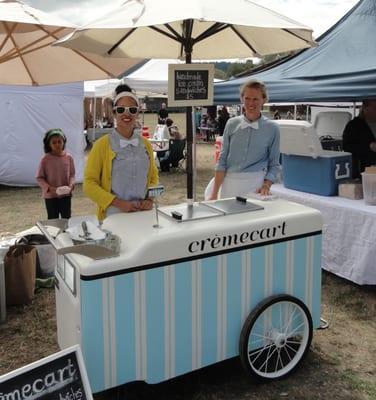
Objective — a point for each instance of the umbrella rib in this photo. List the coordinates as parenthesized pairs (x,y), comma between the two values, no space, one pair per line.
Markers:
(244,40)
(13,53)
(118,43)
(53,34)
(16,53)
(177,37)
(9,32)
(213,30)
(23,62)
(296,35)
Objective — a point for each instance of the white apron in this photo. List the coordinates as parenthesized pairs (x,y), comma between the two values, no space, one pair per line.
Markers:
(241,183)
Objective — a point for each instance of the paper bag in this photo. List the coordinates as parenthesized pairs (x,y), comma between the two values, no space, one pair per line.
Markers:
(20,267)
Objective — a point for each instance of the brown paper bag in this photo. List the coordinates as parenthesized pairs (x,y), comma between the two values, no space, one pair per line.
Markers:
(20,267)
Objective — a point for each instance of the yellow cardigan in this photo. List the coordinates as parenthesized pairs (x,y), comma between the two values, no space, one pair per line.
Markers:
(98,173)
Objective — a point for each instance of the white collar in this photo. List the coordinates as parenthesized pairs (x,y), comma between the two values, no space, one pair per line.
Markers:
(128,142)
(245,123)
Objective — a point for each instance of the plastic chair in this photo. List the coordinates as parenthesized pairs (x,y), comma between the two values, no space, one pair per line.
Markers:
(175,157)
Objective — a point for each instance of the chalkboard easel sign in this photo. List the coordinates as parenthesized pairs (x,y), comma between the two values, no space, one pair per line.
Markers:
(190,84)
(61,376)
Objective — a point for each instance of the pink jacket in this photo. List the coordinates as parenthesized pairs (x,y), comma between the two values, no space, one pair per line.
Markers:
(55,171)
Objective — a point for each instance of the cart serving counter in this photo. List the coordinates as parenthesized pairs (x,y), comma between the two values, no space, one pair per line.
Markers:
(212,281)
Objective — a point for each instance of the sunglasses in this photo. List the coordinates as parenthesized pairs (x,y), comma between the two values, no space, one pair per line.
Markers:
(130,110)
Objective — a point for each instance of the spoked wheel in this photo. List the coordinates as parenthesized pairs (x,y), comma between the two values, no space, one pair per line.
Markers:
(275,337)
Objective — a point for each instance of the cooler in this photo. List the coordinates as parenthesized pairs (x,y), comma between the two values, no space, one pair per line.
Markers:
(305,165)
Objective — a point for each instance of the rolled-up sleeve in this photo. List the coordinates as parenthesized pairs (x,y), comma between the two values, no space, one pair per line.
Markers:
(273,169)
(222,160)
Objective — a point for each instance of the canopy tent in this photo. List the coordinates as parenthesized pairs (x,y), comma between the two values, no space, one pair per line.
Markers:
(152,77)
(101,87)
(342,67)
(27,112)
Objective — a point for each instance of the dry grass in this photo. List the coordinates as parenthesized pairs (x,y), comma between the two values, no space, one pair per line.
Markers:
(340,365)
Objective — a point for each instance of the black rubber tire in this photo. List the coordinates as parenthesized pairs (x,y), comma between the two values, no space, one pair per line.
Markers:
(249,324)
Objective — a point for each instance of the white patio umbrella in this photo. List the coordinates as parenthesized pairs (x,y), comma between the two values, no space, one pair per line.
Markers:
(194,29)
(27,57)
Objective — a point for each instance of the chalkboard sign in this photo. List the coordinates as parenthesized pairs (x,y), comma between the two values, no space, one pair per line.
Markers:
(61,376)
(190,84)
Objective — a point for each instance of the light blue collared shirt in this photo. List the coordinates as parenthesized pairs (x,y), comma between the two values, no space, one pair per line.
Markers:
(247,149)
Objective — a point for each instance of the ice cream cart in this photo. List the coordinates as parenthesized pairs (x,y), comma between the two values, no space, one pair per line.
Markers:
(210,281)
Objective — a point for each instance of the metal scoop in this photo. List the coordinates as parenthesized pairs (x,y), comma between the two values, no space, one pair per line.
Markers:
(86,234)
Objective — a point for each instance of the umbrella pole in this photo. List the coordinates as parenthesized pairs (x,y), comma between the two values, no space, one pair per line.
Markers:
(190,198)
(189,136)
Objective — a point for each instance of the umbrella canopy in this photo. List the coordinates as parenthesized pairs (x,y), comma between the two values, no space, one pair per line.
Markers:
(202,29)
(27,57)
(196,29)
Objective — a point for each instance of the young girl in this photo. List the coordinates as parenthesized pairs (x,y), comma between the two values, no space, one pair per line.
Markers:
(55,175)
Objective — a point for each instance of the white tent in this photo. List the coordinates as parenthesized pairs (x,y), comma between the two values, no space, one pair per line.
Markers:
(149,80)
(100,88)
(27,112)
(152,77)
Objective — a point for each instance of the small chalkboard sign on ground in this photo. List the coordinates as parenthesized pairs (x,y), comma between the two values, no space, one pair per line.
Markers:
(61,376)
(190,84)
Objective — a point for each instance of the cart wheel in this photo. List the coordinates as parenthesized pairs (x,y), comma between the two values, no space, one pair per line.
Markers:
(275,337)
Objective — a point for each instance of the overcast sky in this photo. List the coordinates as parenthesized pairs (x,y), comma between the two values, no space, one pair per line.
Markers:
(317,14)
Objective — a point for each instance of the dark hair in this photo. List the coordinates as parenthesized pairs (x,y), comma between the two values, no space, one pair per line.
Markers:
(123,88)
(49,135)
(169,121)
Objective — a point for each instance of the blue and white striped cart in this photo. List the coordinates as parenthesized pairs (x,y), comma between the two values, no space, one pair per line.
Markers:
(188,294)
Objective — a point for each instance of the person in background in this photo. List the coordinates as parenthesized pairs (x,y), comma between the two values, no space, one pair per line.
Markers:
(56,175)
(277,115)
(162,114)
(249,159)
(223,117)
(173,130)
(120,167)
(359,138)
(289,115)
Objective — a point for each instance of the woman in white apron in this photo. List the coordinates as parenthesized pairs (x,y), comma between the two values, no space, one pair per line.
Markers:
(249,159)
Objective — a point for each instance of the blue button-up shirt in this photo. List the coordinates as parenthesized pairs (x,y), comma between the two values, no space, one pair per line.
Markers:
(246,149)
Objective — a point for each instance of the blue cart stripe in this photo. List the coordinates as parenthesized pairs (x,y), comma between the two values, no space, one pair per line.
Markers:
(125,328)
(300,258)
(257,276)
(155,327)
(209,311)
(233,304)
(316,282)
(183,318)
(92,332)
(279,268)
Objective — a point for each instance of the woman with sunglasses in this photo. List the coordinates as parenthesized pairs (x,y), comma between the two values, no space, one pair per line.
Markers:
(120,167)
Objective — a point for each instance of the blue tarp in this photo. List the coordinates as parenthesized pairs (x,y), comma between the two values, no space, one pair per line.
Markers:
(341,68)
